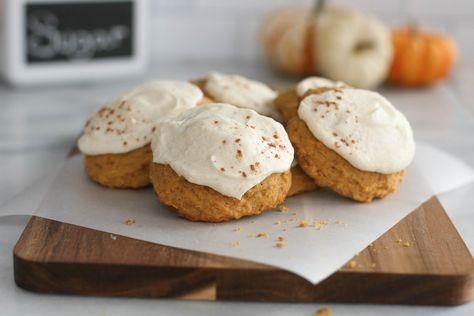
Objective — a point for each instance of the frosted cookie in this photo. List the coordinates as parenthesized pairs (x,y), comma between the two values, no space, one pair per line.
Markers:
(241,92)
(219,162)
(352,141)
(116,138)
(288,100)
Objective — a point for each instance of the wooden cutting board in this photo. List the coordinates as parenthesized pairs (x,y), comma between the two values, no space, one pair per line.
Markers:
(434,268)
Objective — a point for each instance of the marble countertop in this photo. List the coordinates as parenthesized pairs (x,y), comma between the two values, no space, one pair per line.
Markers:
(38,126)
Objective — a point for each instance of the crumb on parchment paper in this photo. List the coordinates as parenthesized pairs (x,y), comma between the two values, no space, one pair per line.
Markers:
(304,223)
(130,221)
(325,311)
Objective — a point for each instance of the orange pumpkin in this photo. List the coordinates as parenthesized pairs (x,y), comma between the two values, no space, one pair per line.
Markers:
(287,38)
(420,58)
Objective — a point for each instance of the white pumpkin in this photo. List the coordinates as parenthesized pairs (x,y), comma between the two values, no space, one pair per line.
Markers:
(337,43)
(353,47)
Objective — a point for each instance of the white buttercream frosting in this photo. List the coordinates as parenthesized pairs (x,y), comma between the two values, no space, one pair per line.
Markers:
(226,148)
(361,126)
(242,92)
(316,82)
(128,121)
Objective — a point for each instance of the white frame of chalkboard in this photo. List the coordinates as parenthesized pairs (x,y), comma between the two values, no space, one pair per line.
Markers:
(16,70)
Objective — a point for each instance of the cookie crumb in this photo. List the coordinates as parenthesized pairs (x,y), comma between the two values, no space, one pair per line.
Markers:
(234,244)
(372,265)
(237,229)
(113,237)
(277,222)
(262,234)
(283,208)
(303,223)
(325,311)
(402,243)
(317,224)
(130,221)
(352,264)
(279,245)
(280,238)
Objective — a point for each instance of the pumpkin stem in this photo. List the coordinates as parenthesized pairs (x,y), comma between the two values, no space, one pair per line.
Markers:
(363,46)
(319,5)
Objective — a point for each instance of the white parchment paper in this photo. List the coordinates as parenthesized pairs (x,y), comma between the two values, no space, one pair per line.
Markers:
(347,227)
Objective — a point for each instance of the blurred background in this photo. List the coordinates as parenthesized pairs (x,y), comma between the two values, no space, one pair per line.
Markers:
(228,30)
(44,104)
(220,32)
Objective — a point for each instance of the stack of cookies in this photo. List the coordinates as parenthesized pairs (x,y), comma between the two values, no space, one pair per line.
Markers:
(214,148)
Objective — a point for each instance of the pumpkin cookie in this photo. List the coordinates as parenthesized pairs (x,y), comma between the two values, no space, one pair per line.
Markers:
(202,203)
(117,137)
(127,170)
(288,100)
(352,141)
(220,162)
(241,92)
(300,182)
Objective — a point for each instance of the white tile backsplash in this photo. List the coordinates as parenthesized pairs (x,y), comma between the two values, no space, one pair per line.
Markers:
(188,37)
(207,30)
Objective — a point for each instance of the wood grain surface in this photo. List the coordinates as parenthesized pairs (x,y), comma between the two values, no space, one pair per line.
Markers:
(421,260)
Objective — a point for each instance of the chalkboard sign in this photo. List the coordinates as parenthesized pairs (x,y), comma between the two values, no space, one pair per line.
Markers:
(48,41)
(68,31)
